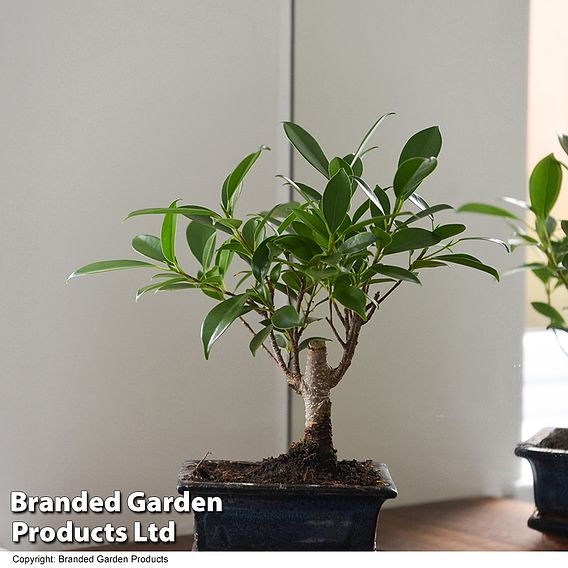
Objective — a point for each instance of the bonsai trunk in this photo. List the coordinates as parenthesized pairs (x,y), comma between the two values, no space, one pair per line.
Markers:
(315,390)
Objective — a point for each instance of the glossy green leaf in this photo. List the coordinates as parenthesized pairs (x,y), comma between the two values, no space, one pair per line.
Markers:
(411,239)
(299,246)
(259,339)
(427,212)
(357,243)
(110,265)
(486,209)
(168,234)
(396,272)
(564,225)
(563,139)
(424,144)
(318,274)
(261,260)
(236,177)
(368,136)
(158,285)
(201,241)
(548,311)
(357,167)
(219,319)
(148,246)
(370,194)
(469,261)
(337,164)
(544,186)
(286,318)
(411,174)
(307,146)
(428,264)
(183,210)
(336,200)
(308,193)
(352,298)
(447,231)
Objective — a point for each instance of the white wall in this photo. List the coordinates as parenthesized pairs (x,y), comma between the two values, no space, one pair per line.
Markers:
(435,388)
(108,107)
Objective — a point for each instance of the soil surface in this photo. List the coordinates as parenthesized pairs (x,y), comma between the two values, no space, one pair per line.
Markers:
(297,467)
(557,440)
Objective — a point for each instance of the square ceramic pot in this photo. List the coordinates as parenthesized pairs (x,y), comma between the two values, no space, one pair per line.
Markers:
(550,474)
(287,517)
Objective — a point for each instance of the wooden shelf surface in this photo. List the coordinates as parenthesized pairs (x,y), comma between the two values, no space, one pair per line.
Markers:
(473,524)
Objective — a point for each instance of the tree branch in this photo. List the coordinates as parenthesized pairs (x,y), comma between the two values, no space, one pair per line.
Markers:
(338,372)
(293,379)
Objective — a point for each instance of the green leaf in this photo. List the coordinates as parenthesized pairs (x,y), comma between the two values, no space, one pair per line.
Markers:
(236,177)
(486,209)
(428,264)
(280,340)
(148,246)
(411,239)
(410,175)
(201,241)
(424,144)
(307,146)
(183,210)
(260,263)
(370,194)
(109,265)
(259,339)
(336,200)
(357,168)
(564,225)
(352,298)
(447,231)
(318,274)
(544,186)
(339,164)
(304,343)
(470,261)
(168,234)
(309,194)
(357,243)
(428,212)
(548,311)
(286,318)
(396,272)
(157,285)
(299,246)
(563,139)
(219,319)
(367,137)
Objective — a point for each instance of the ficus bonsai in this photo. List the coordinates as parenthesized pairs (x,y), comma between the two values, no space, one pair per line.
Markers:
(335,255)
(536,228)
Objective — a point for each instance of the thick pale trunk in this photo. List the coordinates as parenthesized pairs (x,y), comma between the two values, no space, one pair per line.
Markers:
(315,388)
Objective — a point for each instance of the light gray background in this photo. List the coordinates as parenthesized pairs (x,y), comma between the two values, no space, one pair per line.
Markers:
(107,107)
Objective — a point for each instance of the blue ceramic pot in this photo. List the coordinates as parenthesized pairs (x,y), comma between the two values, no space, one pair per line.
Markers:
(550,473)
(287,517)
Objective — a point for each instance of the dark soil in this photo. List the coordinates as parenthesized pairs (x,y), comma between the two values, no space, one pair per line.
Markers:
(557,440)
(297,467)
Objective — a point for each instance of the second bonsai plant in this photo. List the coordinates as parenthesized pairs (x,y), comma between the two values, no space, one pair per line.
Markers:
(547,450)
(334,256)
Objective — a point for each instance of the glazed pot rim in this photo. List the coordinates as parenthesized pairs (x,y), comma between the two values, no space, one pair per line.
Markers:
(531,446)
(387,490)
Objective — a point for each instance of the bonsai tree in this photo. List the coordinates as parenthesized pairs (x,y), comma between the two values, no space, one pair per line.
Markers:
(535,227)
(334,255)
